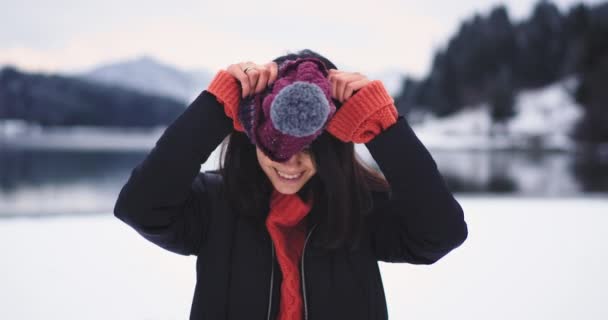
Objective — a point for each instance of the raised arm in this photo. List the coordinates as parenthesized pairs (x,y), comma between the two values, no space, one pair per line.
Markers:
(421,221)
(165,198)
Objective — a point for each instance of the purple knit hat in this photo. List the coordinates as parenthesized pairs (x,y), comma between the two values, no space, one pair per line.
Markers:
(292,112)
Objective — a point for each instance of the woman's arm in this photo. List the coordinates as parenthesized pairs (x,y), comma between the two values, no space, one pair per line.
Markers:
(165,198)
(421,222)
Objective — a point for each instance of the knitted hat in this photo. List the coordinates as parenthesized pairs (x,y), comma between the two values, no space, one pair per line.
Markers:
(290,113)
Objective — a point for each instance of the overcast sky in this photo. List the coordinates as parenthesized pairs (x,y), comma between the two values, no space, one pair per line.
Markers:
(369,36)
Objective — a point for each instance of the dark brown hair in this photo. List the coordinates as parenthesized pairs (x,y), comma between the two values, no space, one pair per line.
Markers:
(341,188)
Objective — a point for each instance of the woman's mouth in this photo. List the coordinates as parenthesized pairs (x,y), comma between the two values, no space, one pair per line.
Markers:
(290,177)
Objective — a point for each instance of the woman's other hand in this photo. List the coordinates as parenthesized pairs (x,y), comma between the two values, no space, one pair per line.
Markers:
(254,78)
(345,84)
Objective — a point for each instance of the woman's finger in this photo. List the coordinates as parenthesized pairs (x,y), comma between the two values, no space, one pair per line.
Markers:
(236,70)
(333,79)
(344,84)
(274,71)
(254,75)
(343,80)
(353,86)
(262,80)
(331,74)
(248,68)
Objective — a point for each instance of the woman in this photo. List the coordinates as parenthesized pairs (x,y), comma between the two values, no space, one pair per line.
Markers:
(293,225)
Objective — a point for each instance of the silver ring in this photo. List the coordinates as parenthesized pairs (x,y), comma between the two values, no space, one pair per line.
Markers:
(247,68)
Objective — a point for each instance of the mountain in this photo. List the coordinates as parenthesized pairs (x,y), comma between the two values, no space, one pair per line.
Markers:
(148,75)
(58,100)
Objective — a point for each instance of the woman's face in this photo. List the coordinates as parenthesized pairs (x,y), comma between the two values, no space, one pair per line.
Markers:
(290,176)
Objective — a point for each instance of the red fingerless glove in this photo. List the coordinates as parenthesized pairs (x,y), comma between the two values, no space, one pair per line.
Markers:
(368,112)
(226,90)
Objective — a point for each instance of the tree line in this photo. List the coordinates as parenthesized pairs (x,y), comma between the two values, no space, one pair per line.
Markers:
(53,100)
(490,58)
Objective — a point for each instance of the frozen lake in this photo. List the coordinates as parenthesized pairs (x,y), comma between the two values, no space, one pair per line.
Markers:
(525,258)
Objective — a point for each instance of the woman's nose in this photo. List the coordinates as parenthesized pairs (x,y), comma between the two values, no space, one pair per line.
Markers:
(293,161)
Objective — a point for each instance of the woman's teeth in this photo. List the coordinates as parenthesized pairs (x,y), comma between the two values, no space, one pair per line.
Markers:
(289,176)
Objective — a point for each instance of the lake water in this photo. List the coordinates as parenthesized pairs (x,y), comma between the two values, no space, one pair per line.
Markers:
(50,181)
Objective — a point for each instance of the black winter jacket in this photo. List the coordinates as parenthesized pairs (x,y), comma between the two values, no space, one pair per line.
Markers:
(172,204)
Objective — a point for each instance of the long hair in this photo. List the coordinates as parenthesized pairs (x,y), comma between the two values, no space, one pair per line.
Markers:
(341,187)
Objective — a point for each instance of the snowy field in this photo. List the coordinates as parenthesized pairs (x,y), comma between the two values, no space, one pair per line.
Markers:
(525,258)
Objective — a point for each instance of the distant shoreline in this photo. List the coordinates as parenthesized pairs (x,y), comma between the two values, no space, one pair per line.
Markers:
(17,134)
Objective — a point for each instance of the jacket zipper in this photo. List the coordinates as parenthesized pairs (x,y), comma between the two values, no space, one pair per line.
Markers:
(271,280)
(303,273)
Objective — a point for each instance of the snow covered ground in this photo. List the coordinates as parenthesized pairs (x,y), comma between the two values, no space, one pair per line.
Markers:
(525,258)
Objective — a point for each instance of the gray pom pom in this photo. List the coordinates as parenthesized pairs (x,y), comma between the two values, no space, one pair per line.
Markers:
(300,109)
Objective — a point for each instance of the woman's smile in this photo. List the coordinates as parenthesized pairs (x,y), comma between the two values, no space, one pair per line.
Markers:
(290,176)
(293,177)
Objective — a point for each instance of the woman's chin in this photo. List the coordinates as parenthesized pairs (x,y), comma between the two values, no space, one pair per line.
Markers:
(286,189)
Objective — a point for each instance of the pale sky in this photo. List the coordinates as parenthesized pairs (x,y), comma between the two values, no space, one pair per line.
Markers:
(365,36)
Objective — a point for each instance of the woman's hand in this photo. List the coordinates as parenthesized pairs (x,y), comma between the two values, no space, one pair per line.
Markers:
(344,84)
(254,78)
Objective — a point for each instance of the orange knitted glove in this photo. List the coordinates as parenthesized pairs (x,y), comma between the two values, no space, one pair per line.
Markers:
(227,91)
(364,115)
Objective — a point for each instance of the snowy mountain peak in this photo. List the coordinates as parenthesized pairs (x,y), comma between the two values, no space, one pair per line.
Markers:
(148,74)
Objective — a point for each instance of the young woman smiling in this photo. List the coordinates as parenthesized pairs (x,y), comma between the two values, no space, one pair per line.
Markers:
(293,225)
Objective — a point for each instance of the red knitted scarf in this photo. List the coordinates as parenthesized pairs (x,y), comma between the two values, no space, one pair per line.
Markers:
(287,228)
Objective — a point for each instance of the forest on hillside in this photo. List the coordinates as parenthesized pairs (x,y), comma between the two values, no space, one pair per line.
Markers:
(491,58)
(54,100)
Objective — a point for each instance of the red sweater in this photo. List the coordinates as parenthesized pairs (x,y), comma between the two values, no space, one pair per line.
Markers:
(287,228)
